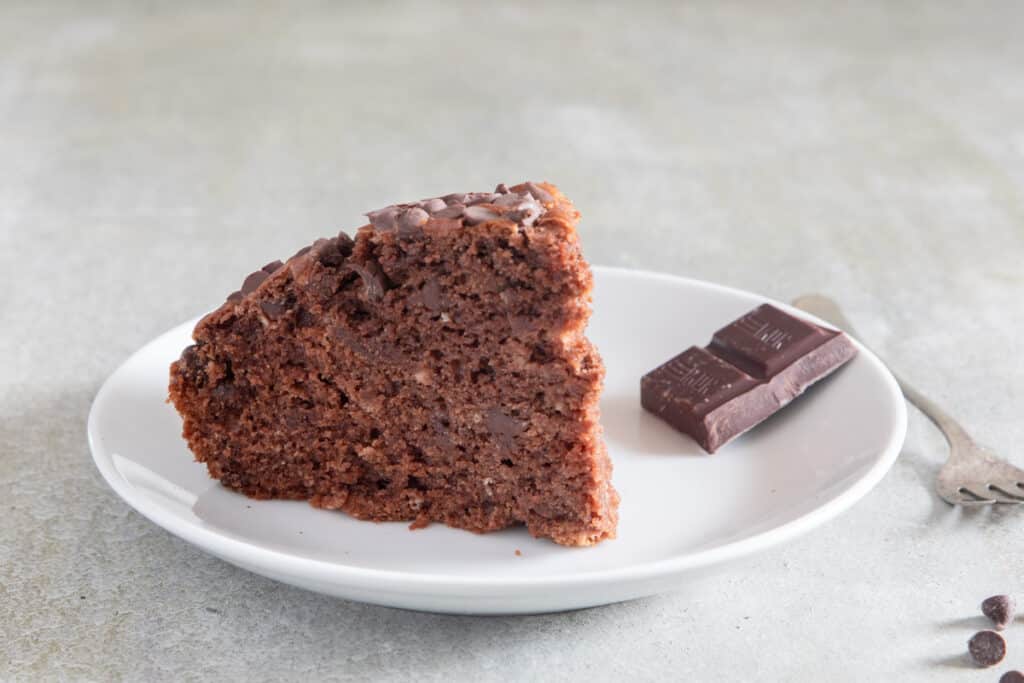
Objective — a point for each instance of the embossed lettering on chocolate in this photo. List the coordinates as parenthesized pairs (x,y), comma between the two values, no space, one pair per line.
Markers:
(434,369)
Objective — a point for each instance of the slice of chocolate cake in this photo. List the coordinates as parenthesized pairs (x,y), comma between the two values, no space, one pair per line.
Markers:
(434,369)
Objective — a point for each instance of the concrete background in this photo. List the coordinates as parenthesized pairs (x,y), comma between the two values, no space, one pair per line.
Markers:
(151,155)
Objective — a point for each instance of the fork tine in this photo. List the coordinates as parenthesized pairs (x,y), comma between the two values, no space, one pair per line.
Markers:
(987,494)
(972,498)
(1005,493)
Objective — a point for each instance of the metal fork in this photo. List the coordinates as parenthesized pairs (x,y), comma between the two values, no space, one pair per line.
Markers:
(972,475)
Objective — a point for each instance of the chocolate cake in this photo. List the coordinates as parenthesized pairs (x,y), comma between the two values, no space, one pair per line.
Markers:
(433,369)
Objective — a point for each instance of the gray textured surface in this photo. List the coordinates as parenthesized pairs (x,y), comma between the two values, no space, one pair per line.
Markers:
(148,158)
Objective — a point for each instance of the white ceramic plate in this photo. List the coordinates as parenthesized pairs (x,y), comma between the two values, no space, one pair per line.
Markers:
(682,512)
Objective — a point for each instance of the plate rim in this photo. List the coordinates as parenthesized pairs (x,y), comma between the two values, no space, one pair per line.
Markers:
(252,555)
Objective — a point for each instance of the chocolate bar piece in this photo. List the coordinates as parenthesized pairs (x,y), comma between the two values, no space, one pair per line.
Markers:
(753,367)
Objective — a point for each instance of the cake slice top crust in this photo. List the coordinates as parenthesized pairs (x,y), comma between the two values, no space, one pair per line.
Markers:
(523,205)
(538,208)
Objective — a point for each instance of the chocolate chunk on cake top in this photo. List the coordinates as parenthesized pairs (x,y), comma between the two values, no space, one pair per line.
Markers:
(433,369)
(751,369)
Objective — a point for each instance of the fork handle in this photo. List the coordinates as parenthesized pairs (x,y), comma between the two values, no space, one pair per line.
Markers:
(827,309)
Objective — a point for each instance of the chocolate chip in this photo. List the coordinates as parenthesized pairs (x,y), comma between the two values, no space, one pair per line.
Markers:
(524,209)
(987,648)
(193,367)
(253,281)
(412,219)
(511,199)
(374,280)
(432,205)
(502,188)
(525,214)
(504,427)
(235,296)
(456,198)
(431,294)
(453,211)
(271,267)
(1000,609)
(386,218)
(302,252)
(479,214)
(305,318)
(329,254)
(1012,677)
(273,309)
(474,198)
(539,193)
(190,357)
(345,243)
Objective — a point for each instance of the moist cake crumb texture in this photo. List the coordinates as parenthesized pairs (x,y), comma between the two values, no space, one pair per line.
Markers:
(433,369)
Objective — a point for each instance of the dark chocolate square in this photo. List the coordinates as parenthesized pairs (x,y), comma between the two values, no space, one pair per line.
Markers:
(765,341)
(694,382)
